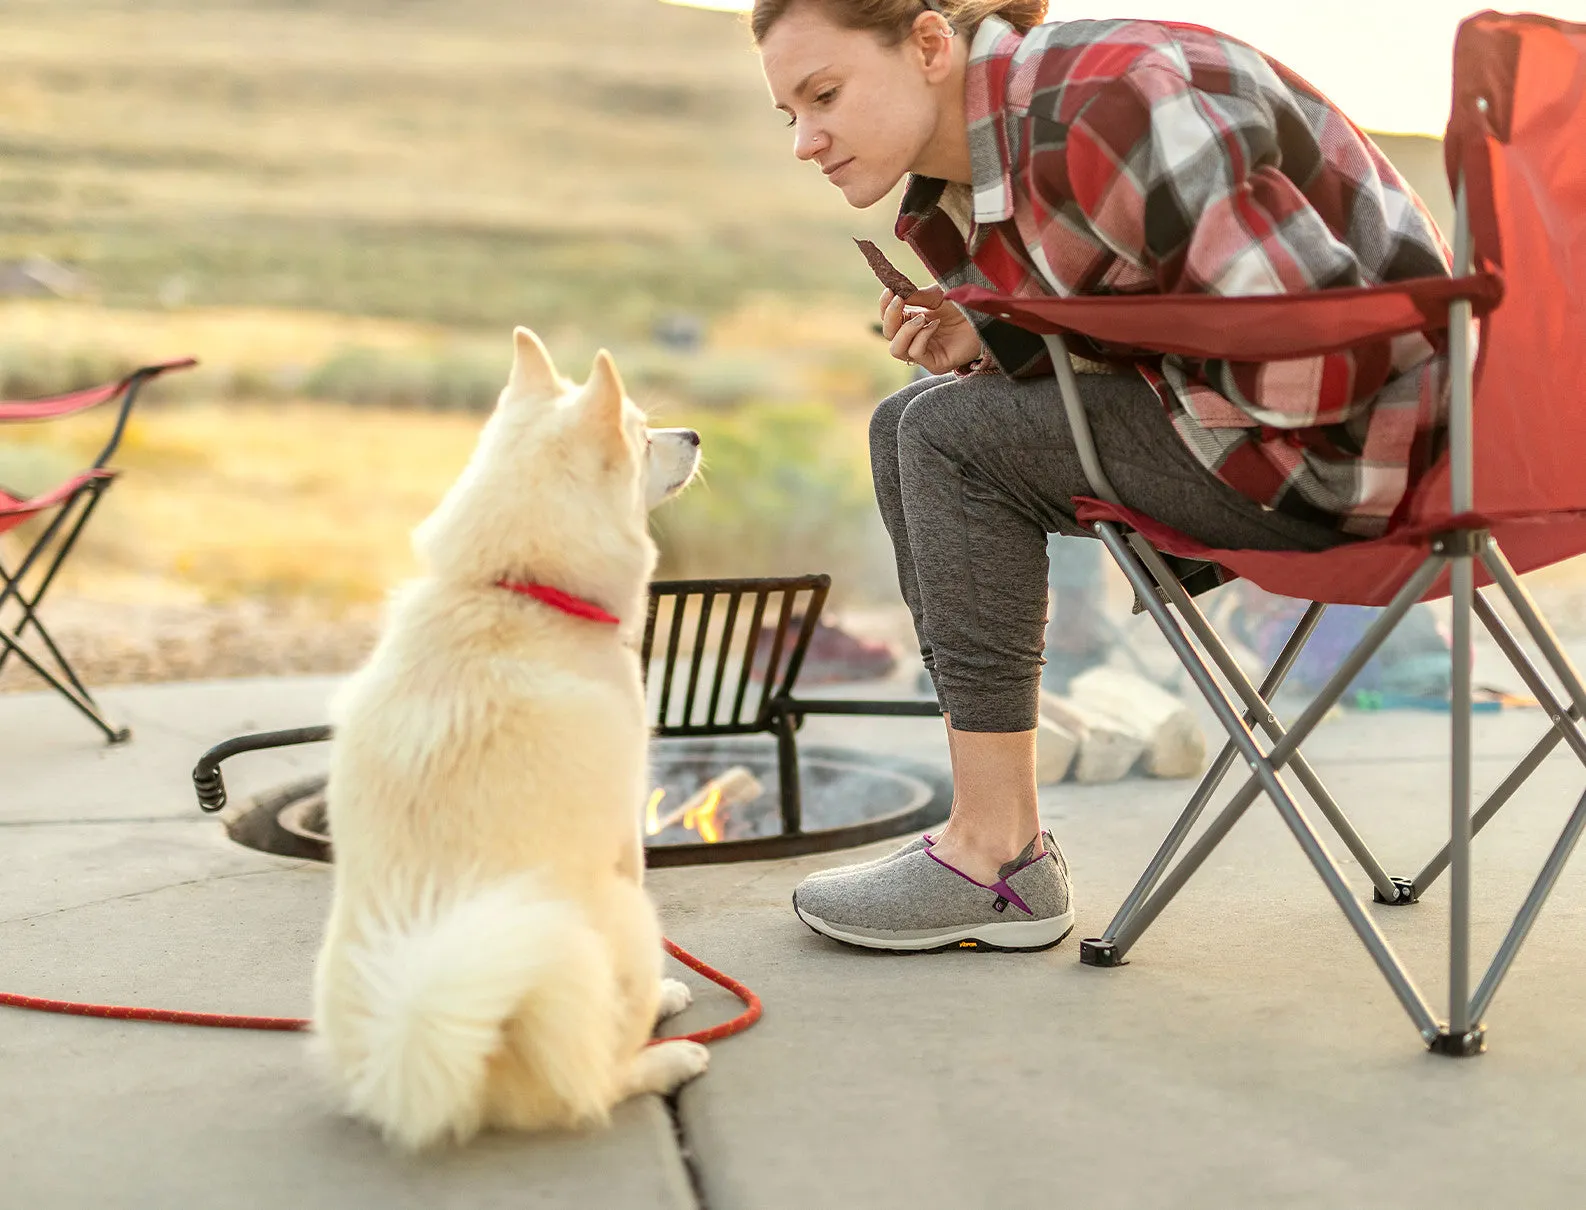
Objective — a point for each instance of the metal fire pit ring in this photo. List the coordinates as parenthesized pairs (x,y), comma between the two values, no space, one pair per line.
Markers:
(924,796)
(289,820)
(723,657)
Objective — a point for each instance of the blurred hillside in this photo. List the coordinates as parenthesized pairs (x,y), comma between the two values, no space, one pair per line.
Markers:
(466,163)
(341,206)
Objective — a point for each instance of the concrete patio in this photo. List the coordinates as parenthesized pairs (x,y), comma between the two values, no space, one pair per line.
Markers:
(1249,1056)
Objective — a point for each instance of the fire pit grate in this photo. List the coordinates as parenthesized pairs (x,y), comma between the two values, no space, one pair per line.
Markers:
(721,659)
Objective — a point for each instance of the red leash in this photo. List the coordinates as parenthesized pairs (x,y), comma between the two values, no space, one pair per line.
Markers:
(737,1025)
(557,599)
(171,1016)
(751,1002)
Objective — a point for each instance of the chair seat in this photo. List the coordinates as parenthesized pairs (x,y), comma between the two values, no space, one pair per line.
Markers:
(1361,573)
(14,510)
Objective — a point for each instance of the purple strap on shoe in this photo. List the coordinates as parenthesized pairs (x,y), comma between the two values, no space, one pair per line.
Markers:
(1005,891)
(1000,887)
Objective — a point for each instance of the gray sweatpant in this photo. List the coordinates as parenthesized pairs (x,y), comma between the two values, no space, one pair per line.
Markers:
(971,474)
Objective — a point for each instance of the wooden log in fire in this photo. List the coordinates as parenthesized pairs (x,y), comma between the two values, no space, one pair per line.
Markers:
(729,788)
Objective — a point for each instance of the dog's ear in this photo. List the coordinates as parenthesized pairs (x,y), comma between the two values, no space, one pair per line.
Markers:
(604,393)
(533,375)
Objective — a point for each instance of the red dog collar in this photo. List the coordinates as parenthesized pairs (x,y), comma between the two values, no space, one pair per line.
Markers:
(557,599)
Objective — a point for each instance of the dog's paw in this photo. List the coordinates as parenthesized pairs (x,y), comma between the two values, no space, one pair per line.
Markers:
(666,1066)
(675,997)
(685,1061)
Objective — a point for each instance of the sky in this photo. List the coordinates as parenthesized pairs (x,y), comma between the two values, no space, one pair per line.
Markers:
(1386,63)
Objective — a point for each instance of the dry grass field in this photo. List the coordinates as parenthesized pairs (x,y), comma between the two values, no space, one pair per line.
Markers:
(313,502)
(467,162)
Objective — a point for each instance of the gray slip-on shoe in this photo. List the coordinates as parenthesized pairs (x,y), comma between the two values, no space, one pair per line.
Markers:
(914,846)
(917,902)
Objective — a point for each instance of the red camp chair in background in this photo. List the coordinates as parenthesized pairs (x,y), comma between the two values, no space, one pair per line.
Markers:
(1507,496)
(64,511)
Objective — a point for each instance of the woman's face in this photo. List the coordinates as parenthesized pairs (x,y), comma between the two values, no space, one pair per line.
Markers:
(863,111)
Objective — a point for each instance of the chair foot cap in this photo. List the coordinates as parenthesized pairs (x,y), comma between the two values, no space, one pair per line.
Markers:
(1459,1046)
(1406,893)
(1093,951)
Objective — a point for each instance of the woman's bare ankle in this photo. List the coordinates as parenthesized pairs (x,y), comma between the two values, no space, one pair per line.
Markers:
(981,857)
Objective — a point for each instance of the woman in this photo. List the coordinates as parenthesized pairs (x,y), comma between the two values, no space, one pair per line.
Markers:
(1084,157)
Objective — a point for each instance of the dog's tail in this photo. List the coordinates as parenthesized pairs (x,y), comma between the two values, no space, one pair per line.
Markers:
(442,992)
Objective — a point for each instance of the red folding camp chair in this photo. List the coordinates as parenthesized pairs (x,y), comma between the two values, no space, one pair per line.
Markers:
(67,506)
(1507,496)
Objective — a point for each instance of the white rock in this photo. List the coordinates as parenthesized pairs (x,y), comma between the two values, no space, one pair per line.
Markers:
(1055,749)
(1175,745)
(1108,746)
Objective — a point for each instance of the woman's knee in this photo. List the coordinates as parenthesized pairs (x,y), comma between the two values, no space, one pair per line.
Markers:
(889,412)
(941,420)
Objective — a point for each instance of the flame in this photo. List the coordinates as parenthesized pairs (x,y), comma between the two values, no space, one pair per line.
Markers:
(703,817)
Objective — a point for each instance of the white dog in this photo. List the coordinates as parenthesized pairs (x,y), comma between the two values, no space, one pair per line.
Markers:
(491,957)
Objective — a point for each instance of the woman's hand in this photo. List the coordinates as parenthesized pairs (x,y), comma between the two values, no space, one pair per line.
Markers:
(929,332)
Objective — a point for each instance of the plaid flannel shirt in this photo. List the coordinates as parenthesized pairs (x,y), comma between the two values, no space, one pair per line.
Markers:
(1129,157)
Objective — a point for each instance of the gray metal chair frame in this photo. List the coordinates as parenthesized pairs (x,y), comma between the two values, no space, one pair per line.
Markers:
(1247,714)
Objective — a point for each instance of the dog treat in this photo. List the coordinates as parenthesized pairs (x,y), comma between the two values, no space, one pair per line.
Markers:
(886,272)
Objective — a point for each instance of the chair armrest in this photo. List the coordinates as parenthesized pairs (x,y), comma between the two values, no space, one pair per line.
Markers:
(53,407)
(1259,328)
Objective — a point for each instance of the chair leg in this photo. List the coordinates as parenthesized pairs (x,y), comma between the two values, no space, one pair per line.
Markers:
(113,733)
(12,583)
(1563,728)
(1521,927)
(1463,1035)
(30,618)
(1542,635)
(1265,766)
(11,588)
(1388,889)
(1208,786)
(1531,618)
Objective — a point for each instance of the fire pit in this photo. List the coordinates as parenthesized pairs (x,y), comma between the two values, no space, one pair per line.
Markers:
(850,798)
(722,658)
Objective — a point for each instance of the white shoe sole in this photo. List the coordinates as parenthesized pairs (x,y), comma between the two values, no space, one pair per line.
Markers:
(1006,935)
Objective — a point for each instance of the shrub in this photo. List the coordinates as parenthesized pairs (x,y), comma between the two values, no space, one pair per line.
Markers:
(785,491)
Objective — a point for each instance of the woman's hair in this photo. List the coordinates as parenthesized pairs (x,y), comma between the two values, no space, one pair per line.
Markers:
(891,20)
